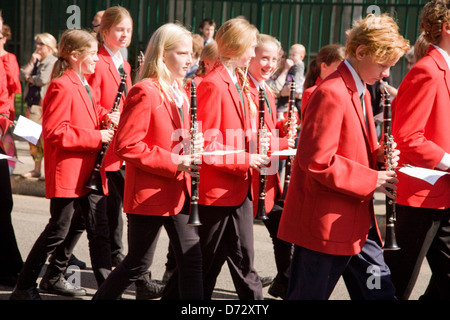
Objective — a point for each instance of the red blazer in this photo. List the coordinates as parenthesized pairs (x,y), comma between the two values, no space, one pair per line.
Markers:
(105,83)
(148,139)
(273,184)
(307,93)
(421,128)
(12,75)
(224,181)
(329,205)
(72,140)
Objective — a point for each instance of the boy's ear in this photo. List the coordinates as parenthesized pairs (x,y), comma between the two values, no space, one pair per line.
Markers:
(360,52)
(446,27)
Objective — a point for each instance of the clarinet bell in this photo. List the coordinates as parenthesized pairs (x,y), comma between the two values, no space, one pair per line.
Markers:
(194,218)
(92,183)
(261,215)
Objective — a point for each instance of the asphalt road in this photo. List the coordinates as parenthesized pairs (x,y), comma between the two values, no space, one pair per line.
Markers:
(31,213)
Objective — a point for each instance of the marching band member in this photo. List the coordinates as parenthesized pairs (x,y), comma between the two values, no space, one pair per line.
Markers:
(421,129)
(261,68)
(11,257)
(329,213)
(225,204)
(114,33)
(72,138)
(157,183)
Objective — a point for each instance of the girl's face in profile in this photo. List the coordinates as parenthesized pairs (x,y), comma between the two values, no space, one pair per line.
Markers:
(90,60)
(244,60)
(179,58)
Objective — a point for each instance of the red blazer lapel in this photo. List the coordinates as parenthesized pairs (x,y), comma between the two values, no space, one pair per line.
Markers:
(90,106)
(369,133)
(441,63)
(104,54)
(270,116)
(234,94)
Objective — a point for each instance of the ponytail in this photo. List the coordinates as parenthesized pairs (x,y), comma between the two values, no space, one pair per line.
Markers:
(59,68)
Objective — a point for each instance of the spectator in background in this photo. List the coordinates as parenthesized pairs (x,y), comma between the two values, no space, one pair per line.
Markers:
(207,29)
(36,73)
(297,73)
(97,20)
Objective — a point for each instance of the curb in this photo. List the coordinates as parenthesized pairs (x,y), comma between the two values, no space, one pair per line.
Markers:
(27,187)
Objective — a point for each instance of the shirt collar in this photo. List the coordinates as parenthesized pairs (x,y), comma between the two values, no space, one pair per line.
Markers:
(257,84)
(359,84)
(117,59)
(231,73)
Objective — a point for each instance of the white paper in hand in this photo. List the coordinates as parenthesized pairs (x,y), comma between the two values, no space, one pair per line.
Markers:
(4,156)
(427,175)
(27,129)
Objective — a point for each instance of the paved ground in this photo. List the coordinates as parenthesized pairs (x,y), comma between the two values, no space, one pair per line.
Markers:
(30,216)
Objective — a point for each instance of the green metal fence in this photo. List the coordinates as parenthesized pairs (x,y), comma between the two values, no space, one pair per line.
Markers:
(312,23)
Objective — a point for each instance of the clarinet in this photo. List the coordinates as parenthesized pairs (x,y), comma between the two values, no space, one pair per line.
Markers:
(194,218)
(390,242)
(261,213)
(92,183)
(292,132)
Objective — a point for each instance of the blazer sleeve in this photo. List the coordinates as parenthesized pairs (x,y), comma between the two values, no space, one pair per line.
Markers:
(58,127)
(133,131)
(415,103)
(4,100)
(320,148)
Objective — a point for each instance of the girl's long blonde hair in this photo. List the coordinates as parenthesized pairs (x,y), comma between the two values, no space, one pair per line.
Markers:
(163,39)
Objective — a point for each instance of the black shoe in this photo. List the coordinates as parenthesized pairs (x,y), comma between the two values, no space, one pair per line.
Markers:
(167,274)
(28,294)
(266,281)
(61,287)
(277,290)
(8,281)
(117,259)
(73,261)
(147,289)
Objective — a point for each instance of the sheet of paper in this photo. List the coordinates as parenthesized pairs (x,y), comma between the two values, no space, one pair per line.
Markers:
(428,175)
(27,129)
(287,152)
(220,152)
(3,156)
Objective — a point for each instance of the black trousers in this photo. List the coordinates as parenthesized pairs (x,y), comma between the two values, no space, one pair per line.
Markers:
(116,181)
(143,234)
(282,250)
(226,234)
(421,233)
(367,277)
(10,259)
(67,217)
